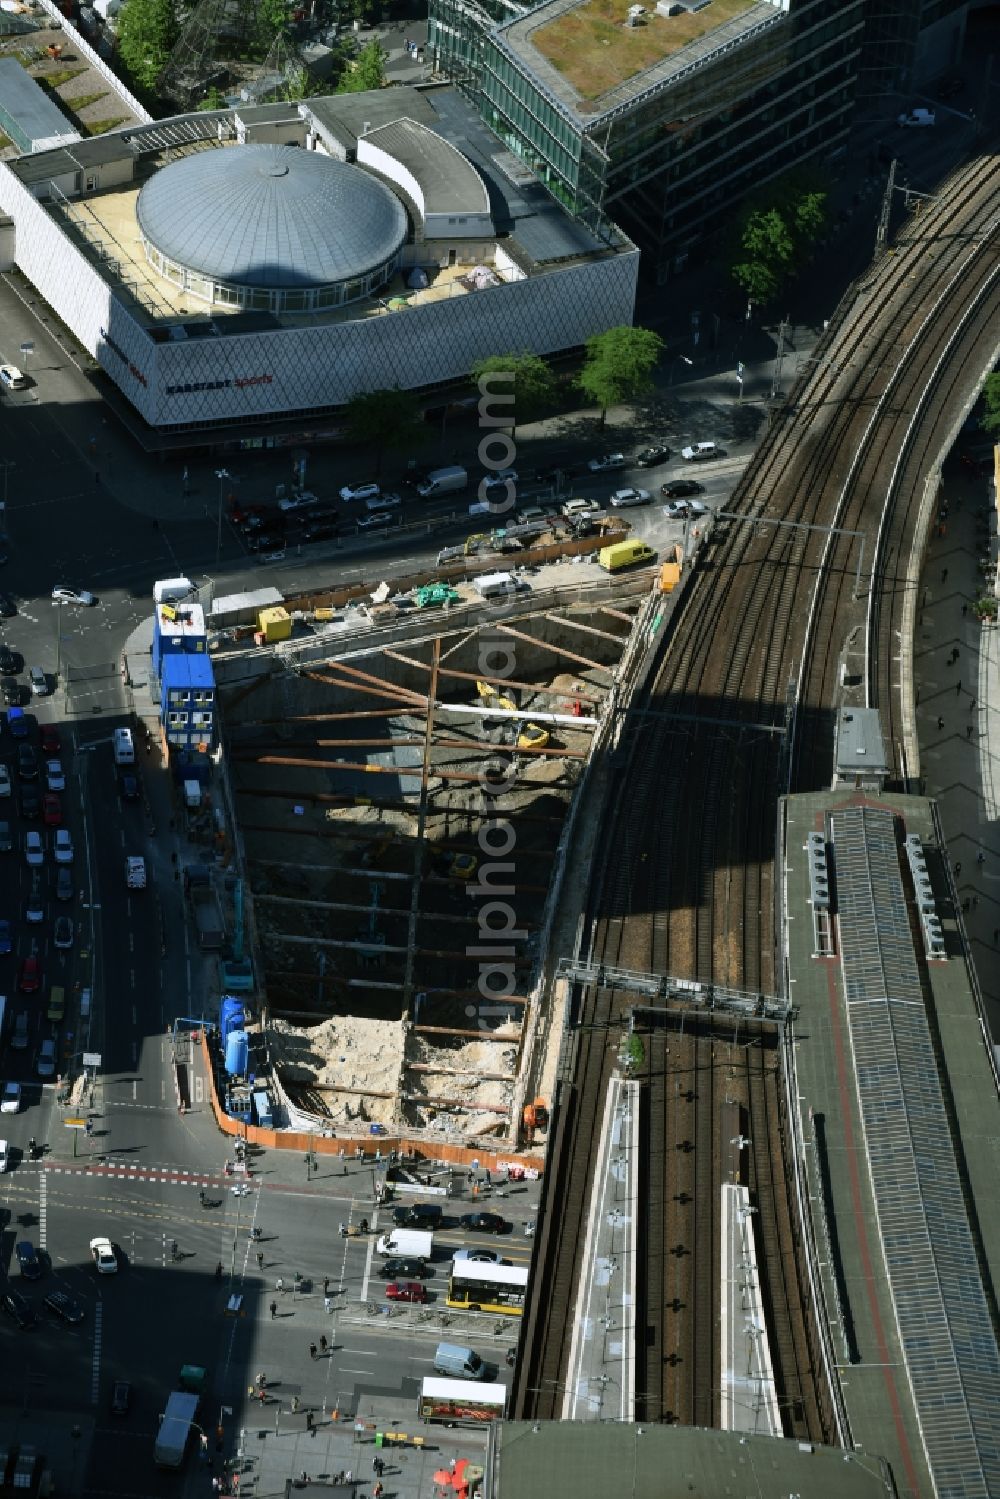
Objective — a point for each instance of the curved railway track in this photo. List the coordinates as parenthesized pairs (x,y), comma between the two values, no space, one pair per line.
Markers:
(740,709)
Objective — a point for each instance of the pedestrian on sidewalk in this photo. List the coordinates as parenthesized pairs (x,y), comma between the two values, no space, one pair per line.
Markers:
(274,1310)
(965,610)
(980,857)
(970,729)
(972,706)
(958,687)
(310,1423)
(312,1350)
(260,1259)
(996,935)
(958,868)
(944,575)
(326,1285)
(322,1342)
(940,722)
(377,1489)
(328,1304)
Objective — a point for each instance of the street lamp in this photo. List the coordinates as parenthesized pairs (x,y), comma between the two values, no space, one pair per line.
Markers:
(222,474)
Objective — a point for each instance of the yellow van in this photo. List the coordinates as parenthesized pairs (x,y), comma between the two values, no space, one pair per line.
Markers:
(624,554)
(57,1004)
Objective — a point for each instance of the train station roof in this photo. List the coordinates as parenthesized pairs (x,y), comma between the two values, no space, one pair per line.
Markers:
(564,1459)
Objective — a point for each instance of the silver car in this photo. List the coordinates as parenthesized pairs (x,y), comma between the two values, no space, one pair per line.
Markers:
(624,497)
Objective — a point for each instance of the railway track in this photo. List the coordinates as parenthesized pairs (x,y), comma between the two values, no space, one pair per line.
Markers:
(739,710)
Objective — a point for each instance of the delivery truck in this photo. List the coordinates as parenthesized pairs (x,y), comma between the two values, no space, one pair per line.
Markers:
(175,1429)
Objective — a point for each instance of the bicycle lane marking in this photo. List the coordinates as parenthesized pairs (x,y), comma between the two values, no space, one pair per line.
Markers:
(368,1268)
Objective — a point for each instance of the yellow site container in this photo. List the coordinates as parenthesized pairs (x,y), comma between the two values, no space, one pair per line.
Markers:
(670,576)
(274,624)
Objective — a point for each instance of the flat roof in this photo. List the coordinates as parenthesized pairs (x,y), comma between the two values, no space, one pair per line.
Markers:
(564,1459)
(450,183)
(64,160)
(832,1053)
(29,107)
(859,742)
(348,116)
(187,669)
(589,62)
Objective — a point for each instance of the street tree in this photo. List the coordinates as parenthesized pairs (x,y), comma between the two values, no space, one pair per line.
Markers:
(272,20)
(619,366)
(521,386)
(991,396)
(775,235)
(147,30)
(767,255)
(382,420)
(366,72)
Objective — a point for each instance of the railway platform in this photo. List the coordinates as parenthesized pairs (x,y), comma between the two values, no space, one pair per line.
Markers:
(957,687)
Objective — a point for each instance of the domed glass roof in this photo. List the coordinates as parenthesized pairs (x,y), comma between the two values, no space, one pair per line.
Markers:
(270,216)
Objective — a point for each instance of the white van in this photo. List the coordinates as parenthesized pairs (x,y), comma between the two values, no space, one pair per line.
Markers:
(459,1362)
(124,747)
(409,1242)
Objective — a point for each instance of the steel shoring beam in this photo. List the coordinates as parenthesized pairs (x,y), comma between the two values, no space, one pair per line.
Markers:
(626,619)
(388,689)
(412,741)
(554,650)
(259,723)
(362,910)
(377,949)
(401,774)
(418,861)
(574,623)
(402,705)
(499,682)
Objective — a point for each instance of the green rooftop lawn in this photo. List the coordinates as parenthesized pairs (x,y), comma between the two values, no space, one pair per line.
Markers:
(595,49)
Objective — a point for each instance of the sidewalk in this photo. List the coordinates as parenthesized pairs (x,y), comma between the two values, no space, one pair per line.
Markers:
(957,680)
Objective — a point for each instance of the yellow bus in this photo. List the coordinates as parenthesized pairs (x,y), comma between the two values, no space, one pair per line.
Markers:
(482,1287)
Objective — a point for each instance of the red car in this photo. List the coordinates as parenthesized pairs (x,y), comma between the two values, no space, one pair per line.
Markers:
(51,810)
(30,978)
(50,739)
(403,1290)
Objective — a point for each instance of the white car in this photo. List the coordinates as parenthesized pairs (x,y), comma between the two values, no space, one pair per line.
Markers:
(12,377)
(45,1066)
(103,1254)
(701,452)
(624,497)
(38,681)
(301,501)
(676,509)
(10,1101)
(4,780)
(54,777)
(500,476)
(606,463)
(34,848)
(360,491)
(63,594)
(62,846)
(4,1155)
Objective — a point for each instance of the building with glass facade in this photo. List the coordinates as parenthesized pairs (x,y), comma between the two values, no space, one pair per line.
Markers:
(657,122)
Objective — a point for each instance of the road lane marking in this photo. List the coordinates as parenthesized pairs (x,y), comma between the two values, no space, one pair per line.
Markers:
(95,1368)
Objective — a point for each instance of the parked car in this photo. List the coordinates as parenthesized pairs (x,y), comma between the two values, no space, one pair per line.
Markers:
(45,1064)
(377,521)
(417,1215)
(652,457)
(129,787)
(8,608)
(11,691)
(64,594)
(479,1256)
(28,1262)
(5,787)
(625,497)
(302,501)
(360,492)
(63,932)
(51,743)
(65,1306)
(606,463)
(38,682)
(701,452)
(64,882)
(6,940)
(62,846)
(680,489)
(121,1397)
(54,777)
(485,1223)
(29,979)
(30,802)
(10,1100)
(4,1155)
(405,1290)
(11,662)
(6,838)
(51,810)
(34,907)
(499,478)
(34,848)
(27,762)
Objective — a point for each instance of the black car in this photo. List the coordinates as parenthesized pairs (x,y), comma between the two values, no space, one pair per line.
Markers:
(121,1397)
(27,762)
(321,531)
(417,1215)
(680,489)
(31,803)
(415,1269)
(12,691)
(6,838)
(652,457)
(7,606)
(28,1262)
(18,1307)
(10,661)
(265,541)
(64,1306)
(64,882)
(129,788)
(485,1223)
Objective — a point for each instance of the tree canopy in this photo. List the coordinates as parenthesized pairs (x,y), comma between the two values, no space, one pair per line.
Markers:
(147,30)
(525,397)
(619,365)
(366,72)
(775,236)
(385,419)
(991,395)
